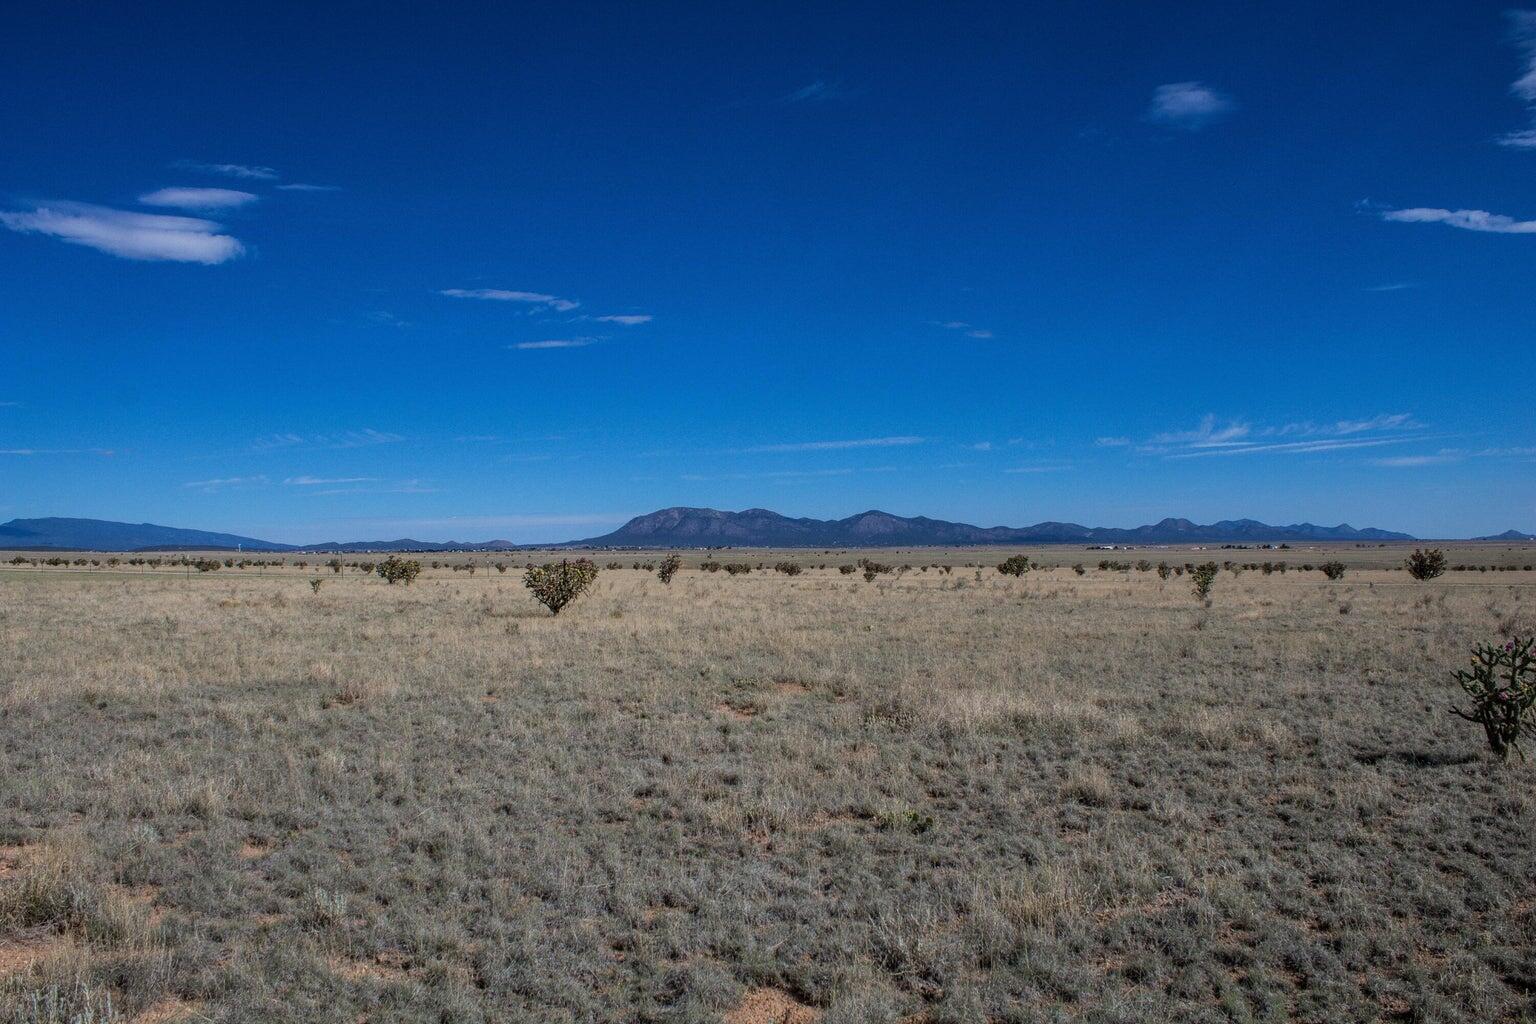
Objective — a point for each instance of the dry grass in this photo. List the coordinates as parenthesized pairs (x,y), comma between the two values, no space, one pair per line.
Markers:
(758,799)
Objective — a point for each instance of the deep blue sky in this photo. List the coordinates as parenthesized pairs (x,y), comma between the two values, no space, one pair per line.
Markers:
(999,262)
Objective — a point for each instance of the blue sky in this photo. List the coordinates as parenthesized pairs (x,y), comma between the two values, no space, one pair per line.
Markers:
(343,271)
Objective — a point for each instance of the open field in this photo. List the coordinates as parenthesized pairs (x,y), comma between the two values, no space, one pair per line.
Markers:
(943,797)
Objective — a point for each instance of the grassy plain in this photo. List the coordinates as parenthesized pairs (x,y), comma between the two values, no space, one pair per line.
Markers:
(944,797)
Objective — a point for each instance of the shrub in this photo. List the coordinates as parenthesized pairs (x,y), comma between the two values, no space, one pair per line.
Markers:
(710,566)
(1016,565)
(737,568)
(1202,576)
(1501,686)
(873,569)
(395,569)
(335,565)
(1078,568)
(847,570)
(206,564)
(314,584)
(668,568)
(1333,570)
(1142,565)
(1426,565)
(787,568)
(1163,570)
(557,585)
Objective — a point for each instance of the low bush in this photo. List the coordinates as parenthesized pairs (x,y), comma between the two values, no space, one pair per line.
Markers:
(1333,570)
(558,584)
(1426,565)
(668,568)
(395,569)
(1015,565)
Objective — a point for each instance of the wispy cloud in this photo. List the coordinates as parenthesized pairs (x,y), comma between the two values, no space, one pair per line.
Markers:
(1213,437)
(397,487)
(1112,442)
(248,171)
(783,474)
(1188,105)
(1468,220)
(321,481)
(627,319)
(1409,461)
(1396,287)
(553,343)
(1522,26)
(1038,469)
(969,330)
(198,198)
(821,446)
(220,483)
(345,439)
(539,299)
(134,236)
(58,451)
(299,186)
(819,91)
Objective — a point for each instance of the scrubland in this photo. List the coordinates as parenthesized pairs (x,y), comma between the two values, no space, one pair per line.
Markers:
(938,797)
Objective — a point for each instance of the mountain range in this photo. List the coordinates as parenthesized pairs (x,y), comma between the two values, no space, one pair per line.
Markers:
(705,527)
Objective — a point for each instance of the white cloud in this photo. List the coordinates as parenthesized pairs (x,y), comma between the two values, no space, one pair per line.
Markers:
(1112,442)
(818,446)
(1208,433)
(134,236)
(1523,34)
(345,439)
(227,481)
(627,319)
(1406,461)
(317,481)
(1190,105)
(970,330)
(503,295)
(229,170)
(1470,220)
(299,186)
(198,198)
(553,343)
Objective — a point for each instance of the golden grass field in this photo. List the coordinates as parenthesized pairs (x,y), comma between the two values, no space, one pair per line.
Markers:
(936,797)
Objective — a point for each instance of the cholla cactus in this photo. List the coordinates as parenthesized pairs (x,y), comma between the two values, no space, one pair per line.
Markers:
(1501,685)
(558,585)
(668,568)
(395,569)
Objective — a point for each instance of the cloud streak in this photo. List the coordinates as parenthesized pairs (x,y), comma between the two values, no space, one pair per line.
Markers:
(627,319)
(551,343)
(824,446)
(198,198)
(346,439)
(247,171)
(126,234)
(1467,220)
(538,299)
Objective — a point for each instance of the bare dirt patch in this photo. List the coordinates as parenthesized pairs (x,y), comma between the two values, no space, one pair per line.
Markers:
(167,1011)
(771,1006)
(21,952)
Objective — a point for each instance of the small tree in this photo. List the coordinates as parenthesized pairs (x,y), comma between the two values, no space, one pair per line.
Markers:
(1014,565)
(1426,565)
(668,568)
(1502,688)
(1333,570)
(395,569)
(557,585)
(1203,576)
(1163,570)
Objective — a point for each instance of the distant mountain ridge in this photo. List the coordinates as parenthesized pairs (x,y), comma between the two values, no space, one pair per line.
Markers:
(683,527)
(758,527)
